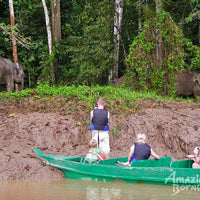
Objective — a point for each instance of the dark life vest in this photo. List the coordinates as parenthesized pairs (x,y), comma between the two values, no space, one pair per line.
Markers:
(100,119)
(142,151)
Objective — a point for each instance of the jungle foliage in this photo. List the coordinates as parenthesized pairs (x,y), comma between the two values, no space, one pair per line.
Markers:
(85,53)
(177,53)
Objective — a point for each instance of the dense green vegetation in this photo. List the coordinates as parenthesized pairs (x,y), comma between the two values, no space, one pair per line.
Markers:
(144,72)
(85,53)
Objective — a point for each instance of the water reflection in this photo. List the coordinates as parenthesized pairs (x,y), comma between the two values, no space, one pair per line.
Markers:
(102,192)
(71,189)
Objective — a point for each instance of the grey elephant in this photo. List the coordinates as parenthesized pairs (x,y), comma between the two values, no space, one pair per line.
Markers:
(187,84)
(11,74)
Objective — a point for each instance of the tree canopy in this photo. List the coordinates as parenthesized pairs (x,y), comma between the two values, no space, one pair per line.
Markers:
(157,38)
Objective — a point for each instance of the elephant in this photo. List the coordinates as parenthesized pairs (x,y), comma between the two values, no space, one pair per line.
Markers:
(187,84)
(11,74)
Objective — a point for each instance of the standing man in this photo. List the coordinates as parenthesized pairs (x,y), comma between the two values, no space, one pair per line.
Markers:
(99,119)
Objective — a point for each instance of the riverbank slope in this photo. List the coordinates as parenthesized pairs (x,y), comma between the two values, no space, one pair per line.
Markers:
(172,129)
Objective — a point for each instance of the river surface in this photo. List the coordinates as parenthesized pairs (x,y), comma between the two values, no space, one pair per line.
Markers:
(72,189)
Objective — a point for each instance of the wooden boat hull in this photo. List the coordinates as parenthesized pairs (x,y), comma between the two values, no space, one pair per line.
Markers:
(112,173)
(152,171)
(53,158)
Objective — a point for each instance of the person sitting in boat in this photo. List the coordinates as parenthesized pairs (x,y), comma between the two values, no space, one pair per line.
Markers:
(94,154)
(140,150)
(195,158)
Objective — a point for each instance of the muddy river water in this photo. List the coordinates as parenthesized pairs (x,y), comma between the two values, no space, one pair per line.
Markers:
(72,189)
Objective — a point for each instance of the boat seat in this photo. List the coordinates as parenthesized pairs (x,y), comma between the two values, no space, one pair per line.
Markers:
(162,162)
(182,164)
(112,161)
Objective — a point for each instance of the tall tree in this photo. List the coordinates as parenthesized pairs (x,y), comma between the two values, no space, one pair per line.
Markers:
(117,36)
(48,26)
(12,20)
(14,43)
(49,36)
(56,22)
(139,16)
(56,31)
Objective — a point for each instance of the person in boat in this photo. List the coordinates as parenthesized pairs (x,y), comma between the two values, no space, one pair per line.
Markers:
(94,154)
(99,125)
(196,158)
(140,150)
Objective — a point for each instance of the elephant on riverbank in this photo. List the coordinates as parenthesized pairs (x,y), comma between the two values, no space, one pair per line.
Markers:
(187,84)
(11,74)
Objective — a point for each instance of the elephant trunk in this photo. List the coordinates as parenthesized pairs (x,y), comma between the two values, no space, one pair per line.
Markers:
(18,77)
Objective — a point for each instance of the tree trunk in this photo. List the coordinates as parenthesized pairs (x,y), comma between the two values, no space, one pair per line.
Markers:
(12,21)
(14,43)
(56,23)
(142,4)
(47,26)
(158,35)
(117,31)
(199,32)
(139,17)
(49,36)
(56,27)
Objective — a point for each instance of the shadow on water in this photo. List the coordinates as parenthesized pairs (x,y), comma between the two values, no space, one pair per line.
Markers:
(71,189)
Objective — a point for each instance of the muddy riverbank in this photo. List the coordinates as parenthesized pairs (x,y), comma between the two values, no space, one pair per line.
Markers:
(172,129)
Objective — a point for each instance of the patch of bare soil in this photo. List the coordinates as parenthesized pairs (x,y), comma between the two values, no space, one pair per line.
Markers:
(172,129)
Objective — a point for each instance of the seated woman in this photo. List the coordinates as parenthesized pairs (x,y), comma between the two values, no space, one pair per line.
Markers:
(94,154)
(195,158)
(140,150)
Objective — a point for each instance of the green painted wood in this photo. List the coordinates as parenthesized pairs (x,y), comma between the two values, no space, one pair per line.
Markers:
(162,162)
(49,157)
(113,161)
(182,164)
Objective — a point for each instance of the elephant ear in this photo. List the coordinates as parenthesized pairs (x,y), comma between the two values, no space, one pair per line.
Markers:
(18,73)
(17,68)
(197,79)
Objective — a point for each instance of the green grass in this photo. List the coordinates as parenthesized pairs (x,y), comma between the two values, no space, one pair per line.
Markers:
(116,98)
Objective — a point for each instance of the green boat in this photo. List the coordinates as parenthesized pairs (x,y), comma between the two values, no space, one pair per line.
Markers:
(152,171)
